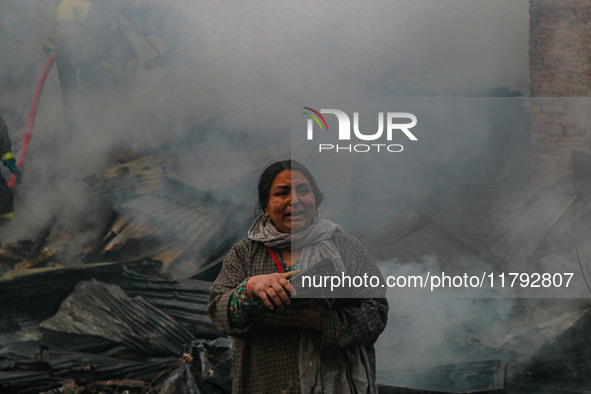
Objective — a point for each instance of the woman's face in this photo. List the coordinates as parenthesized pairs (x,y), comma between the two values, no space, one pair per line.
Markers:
(292,204)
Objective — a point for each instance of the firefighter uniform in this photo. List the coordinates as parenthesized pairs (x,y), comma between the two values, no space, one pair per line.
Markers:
(7,157)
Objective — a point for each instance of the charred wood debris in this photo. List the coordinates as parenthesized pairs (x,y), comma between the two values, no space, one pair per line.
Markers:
(117,321)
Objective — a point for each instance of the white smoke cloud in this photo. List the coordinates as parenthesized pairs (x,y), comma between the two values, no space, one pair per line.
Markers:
(245,63)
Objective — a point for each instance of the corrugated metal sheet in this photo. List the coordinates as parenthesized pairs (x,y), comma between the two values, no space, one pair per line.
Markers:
(176,208)
(96,308)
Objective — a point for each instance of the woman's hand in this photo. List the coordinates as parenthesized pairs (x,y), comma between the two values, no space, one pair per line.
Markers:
(309,317)
(273,289)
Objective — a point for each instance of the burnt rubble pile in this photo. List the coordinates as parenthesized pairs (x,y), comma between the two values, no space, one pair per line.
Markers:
(178,208)
(101,339)
(15,257)
(130,314)
(102,309)
(116,319)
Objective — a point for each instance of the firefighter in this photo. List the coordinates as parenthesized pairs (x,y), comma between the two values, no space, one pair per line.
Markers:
(91,49)
(7,157)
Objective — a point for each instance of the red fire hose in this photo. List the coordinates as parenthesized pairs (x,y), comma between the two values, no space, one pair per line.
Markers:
(31,120)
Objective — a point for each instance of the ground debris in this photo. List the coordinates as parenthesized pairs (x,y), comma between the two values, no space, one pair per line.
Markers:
(69,387)
(105,310)
(36,260)
(117,386)
(20,261)
(201,367)
(14,251)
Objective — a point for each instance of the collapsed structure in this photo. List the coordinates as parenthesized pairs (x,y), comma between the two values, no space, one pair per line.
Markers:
(137,298)
(132,308)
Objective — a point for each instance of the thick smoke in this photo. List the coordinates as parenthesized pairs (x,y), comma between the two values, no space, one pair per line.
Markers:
(244,64)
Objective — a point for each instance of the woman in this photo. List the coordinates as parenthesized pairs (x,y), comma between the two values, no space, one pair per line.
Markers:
(315,348)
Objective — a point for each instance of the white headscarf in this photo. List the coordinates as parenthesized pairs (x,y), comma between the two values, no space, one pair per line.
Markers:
(315,240)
